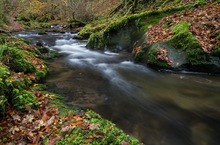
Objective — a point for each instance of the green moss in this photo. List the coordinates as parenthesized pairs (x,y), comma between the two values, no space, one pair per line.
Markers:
(181,27)
(154,61)
(89,29)
(139,57)
(216,52)
(168,24)
(35,24)
(183,39)
(96,40)
(4,71)
(18,60)
(3,103)
(108,132)
(41,74)
(101,33)
(51,54)
(39,87)
(63,109)
(22,98)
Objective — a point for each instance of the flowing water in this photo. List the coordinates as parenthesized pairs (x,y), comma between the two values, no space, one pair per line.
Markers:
(157,108)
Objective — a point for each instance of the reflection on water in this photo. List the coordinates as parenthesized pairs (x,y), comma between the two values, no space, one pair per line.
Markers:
(157,108)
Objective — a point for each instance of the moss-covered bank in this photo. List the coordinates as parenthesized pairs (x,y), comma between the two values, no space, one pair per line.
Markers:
(20,69)
(188,40)
(187,36)
(123,31)
(29,115)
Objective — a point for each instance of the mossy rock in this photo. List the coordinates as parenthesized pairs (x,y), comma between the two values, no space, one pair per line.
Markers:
(216,52)
(42,33)
(96,41)
(110,32)
(153,61)
(51,54)
(183,39)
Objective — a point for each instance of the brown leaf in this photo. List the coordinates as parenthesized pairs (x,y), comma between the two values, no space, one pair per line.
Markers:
(16,117)
(14,129)
(50,121)
(54,140)
(124,143)
(67,128)
(94,126)
(28,118)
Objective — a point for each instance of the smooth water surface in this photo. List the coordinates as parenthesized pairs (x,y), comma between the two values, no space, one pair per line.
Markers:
(157,108)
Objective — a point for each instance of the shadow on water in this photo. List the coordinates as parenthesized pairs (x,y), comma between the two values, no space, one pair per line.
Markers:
(157,108)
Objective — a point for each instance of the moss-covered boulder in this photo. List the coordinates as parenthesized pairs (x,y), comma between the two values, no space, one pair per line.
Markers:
(122,32)
(188,40)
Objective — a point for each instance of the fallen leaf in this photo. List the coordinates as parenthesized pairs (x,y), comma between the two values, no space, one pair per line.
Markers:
(14,129)
(54,140)
(124,143)
(94,126)
(67,128)
(28,118)
(50,121)
(16,117)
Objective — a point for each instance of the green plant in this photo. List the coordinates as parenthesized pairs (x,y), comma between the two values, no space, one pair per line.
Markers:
(18,60)
(22,98)
(3,103)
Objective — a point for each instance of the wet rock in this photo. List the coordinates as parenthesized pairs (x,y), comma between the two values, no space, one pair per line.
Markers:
(41,47)
(42,33)
(39,44)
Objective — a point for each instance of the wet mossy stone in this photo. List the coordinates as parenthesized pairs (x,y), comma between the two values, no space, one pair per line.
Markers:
(154,61)
(39,44)
(216,52)
(42,33)
(96,41)
(183,39)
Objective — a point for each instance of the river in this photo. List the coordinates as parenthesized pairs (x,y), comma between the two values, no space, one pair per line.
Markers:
(158,108)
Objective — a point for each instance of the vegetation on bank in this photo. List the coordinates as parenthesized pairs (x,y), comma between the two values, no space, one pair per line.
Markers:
(29,115)
(189,40)
(174,39)
(127,29)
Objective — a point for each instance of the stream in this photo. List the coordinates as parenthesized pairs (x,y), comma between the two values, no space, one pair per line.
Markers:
(158,108)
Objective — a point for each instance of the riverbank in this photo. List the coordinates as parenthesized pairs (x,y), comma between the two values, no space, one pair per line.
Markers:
(184,36)
(31,115)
